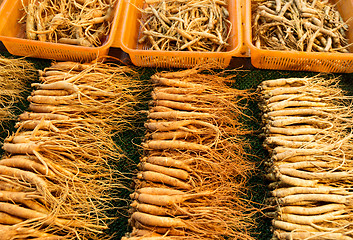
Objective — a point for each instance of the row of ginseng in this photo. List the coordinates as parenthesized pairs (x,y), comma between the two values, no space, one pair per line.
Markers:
(193,169)
(307,131)
(56,173)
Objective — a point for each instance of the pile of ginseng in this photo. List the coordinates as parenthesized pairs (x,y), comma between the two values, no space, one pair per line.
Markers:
(56,174)
(193,170)
(196,25)
(76,22)
(15,74)
(300,25)
(308,133)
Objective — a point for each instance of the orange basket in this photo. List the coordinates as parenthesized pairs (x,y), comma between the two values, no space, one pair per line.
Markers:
(12,36)
(180,59)
(303,61)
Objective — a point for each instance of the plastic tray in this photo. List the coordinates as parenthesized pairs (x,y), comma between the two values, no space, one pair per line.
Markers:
(181,59)
(12,36)
(303,61)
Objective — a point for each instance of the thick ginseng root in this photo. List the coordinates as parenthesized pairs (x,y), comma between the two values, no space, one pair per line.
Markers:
(158,221)
(164,179)
(169,162)
(166,200)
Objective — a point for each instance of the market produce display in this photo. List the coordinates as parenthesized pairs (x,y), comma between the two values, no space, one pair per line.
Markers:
(193,169)
(300,25)
(77,22)
(308,133)
(57,172)
(197,25)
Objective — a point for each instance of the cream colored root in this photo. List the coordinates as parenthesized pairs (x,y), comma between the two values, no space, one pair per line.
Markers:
(174,144)
(158,221)
(173,172)
(170,135)
(277,140)
(297,235)
(178,125)
(49,93)
(21,148)
(331,198)
(300,210)
(32,124)
(284,81)
(293,181)
(180,115)
(286,121)
(290,131)
(289,104)
(159,191)
(282,192)
(286,226)
(291,144)
(291,97)
(175,83)
(164,179)
(174,232)
(298,112)
(29,165)
(156,210)
(25,176)
(38,116)
(53,100)
(8,219)
(308,220)
(179,74)
(168,162)
(61,85)
(330,176)
(310,164)
(165,200)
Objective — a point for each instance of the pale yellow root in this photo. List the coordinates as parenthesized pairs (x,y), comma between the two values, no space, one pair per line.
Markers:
(158,221)
(297,235)
(165,200)
(173,172)
(174,144)
(156,210)
(164,179)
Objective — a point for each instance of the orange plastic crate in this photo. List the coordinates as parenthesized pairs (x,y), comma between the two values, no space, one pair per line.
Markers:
(180,59)
(12,35)
(303,61)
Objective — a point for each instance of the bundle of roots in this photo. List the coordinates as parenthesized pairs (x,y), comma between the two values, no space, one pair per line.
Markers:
(15,74)
(308,132)
(77,22)
(193,171)
(56,174)
(300,25)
